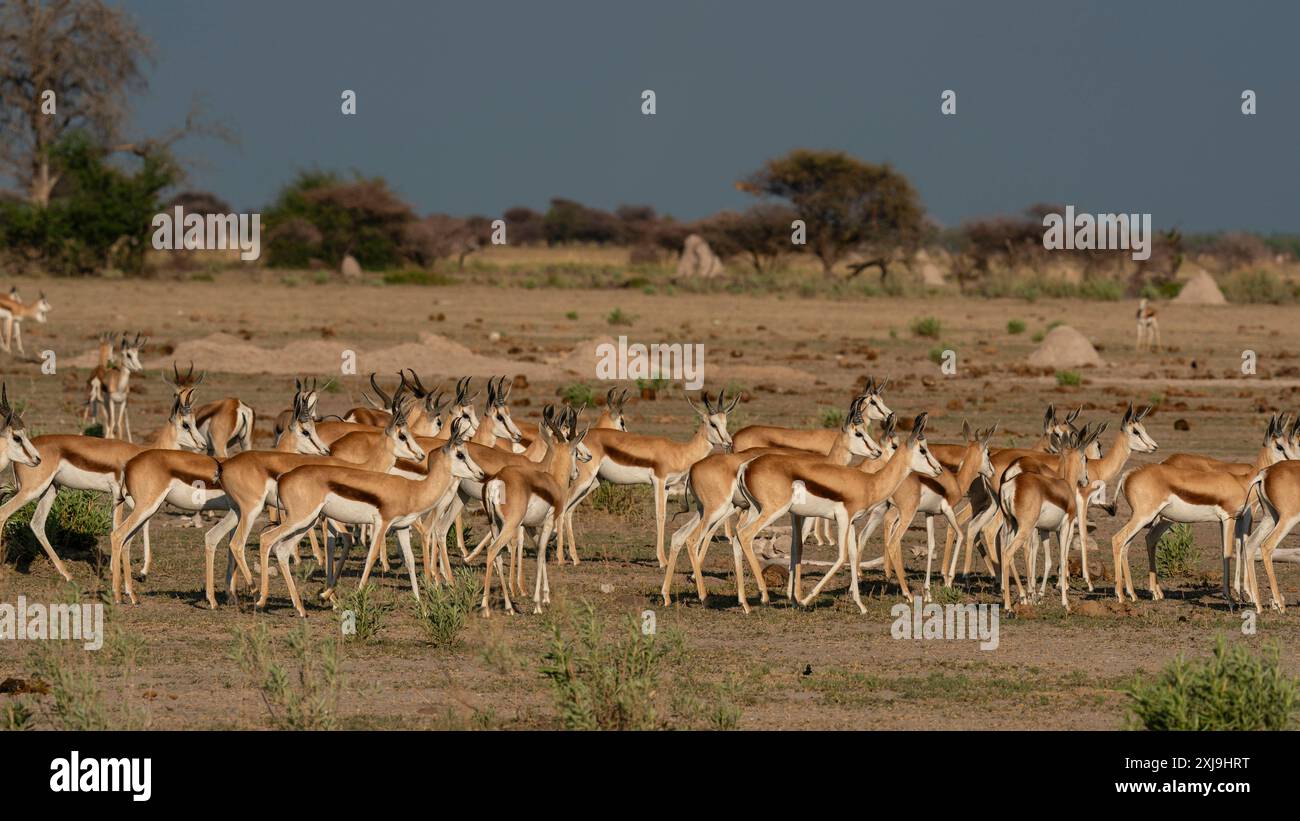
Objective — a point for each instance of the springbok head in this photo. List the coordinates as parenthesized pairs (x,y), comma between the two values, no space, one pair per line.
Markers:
(1139,441)
(714,418)
(18,445)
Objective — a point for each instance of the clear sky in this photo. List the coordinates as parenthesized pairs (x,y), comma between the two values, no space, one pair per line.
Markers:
(473,107)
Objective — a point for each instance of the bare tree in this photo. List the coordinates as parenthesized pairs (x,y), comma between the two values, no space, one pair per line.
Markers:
(91,56)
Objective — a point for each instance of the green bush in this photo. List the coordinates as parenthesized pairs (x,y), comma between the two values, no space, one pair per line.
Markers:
(927,326)
(417,276)
(1068,378)
(618,317)
(1258,286)
(1176,551)
(832,418)
(300,693)
(78,519)
(616,500)
(578,394)
(602,682)
(367,614)
(1236,689)
(444,609)
(1015,326)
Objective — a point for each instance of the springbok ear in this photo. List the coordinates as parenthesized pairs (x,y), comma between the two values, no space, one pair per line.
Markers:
(966,431)
(1072,415)
(1049,418)
(887,426)
(1128,415)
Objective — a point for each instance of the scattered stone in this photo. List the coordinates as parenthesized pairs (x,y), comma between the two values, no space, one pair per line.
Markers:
(350,268)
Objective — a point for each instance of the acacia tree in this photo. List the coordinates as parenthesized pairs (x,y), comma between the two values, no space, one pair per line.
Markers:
(91,56)
(845,202)
(761,233)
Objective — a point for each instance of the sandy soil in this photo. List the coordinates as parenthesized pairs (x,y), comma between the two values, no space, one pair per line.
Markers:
(824,667)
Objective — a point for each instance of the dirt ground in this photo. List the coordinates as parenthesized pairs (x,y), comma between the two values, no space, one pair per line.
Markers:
(822,667)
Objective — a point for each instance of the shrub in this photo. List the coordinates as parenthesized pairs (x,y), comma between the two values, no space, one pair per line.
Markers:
(444,610)
(616,500)
(301,694)
(602,682)
(1068,378)
(1015,326)
(1258,286)
(366,614)
(936,354)
(928,326)
(578,394)
(417,276)
(76,522)
(1176,551)
(1235,689)
(832,418)
(618,317)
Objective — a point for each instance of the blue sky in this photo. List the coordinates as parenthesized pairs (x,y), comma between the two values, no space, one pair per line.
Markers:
(476,107)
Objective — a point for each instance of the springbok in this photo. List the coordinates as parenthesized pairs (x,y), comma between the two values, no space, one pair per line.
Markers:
(1035,502)
(117,387)
(15,445)
(815,439)
(622,458)
(714,485)
(356,496)
(226,422)
(89,463)
(195,482)
(1148,328)
(932,497)
(532,497)
(1278,489)
(776,484)
(12,314)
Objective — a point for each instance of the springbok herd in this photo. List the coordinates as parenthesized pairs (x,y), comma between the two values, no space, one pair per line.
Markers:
(417,458)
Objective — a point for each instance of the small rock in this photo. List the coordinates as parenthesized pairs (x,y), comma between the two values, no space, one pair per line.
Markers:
(1182,424)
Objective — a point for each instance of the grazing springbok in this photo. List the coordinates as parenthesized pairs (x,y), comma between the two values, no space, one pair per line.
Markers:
(532,497)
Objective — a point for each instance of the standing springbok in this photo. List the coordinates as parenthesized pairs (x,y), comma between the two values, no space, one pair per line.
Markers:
(12,314)
(89,463)
(1148,328)
(1161,496)
(932,497)
(117,387)
(1278,489)
(195,482)
(532,497)
(611,418)
(95,406)
(714,485)
(226,422)
(1035,502)
(356,496)
(634,459)
(777,484)
(816,439)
